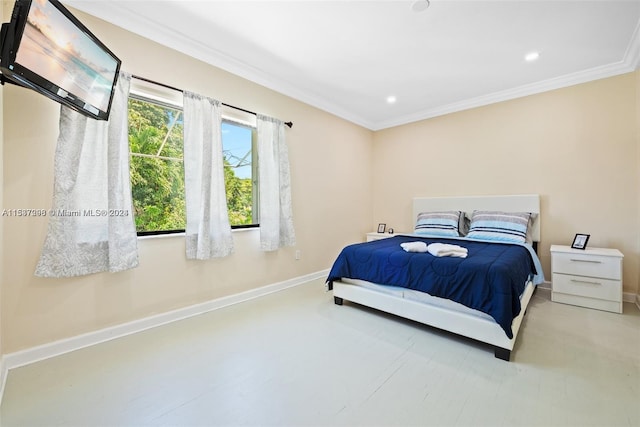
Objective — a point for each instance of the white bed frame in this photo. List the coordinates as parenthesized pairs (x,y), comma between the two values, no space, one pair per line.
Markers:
(465,324)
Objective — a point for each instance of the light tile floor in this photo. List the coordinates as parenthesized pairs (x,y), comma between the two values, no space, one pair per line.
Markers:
(294,358)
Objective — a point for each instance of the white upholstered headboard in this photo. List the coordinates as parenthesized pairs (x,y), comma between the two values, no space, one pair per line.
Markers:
(515,203)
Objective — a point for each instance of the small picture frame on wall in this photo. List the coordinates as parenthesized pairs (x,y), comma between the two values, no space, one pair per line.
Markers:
(580,241)
(381,228)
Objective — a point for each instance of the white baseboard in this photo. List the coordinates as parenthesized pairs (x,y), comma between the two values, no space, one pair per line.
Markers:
(638,301)
(3,376)
(545,285)
(629,297)
(56,348)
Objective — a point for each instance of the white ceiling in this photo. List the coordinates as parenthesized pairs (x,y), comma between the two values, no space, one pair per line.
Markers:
(347,57)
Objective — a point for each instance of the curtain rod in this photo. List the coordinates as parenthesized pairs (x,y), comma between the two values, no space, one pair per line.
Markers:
(290,124)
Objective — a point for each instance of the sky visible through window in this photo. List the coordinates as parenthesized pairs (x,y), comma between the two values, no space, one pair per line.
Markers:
(236,143)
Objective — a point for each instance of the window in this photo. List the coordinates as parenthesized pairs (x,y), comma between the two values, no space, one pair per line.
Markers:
(240,173)
(157,169)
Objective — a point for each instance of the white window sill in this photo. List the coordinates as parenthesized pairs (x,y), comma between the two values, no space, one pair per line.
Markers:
(164,236)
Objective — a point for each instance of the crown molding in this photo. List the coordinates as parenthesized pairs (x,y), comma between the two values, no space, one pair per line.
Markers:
(572,79)
(117,13)
(630,63)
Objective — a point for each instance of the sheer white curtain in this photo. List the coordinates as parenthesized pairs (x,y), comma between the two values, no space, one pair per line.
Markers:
(276,213)
(208,232)
(91,227)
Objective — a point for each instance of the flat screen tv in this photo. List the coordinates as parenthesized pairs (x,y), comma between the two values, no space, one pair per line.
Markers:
(45,48)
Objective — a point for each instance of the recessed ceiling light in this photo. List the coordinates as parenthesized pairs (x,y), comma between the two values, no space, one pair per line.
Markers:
(532,56)
(420,5)
(391,99)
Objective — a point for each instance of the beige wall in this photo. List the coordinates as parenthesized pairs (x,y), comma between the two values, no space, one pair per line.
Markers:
(577,147)
(331,185)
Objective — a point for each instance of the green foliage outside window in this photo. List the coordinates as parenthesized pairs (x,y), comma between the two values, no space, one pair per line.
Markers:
(157,171)
(239,197)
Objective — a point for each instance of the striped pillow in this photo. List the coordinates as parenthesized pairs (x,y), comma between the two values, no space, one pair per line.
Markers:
(500,226)
(440,224)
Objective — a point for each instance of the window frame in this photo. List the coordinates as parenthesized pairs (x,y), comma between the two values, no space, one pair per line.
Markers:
(170,98)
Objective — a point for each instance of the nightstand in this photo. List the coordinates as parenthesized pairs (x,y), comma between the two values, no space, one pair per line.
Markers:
(377,236)
(589,278)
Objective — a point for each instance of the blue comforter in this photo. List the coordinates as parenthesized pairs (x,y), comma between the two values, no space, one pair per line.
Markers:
(490,279)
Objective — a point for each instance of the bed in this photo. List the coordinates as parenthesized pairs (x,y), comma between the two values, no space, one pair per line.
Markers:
(382,275)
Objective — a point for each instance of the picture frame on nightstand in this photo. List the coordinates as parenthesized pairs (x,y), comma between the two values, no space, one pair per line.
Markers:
(580,241)
(381,227)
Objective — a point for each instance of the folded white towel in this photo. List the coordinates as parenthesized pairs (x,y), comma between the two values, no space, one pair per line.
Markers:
(444,249)
(414,246)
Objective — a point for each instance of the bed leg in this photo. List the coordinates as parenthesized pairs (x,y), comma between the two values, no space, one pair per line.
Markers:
(502,353)
(337,300)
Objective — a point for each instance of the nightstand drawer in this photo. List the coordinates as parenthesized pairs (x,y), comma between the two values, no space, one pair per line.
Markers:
(588,287)
(590,265)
